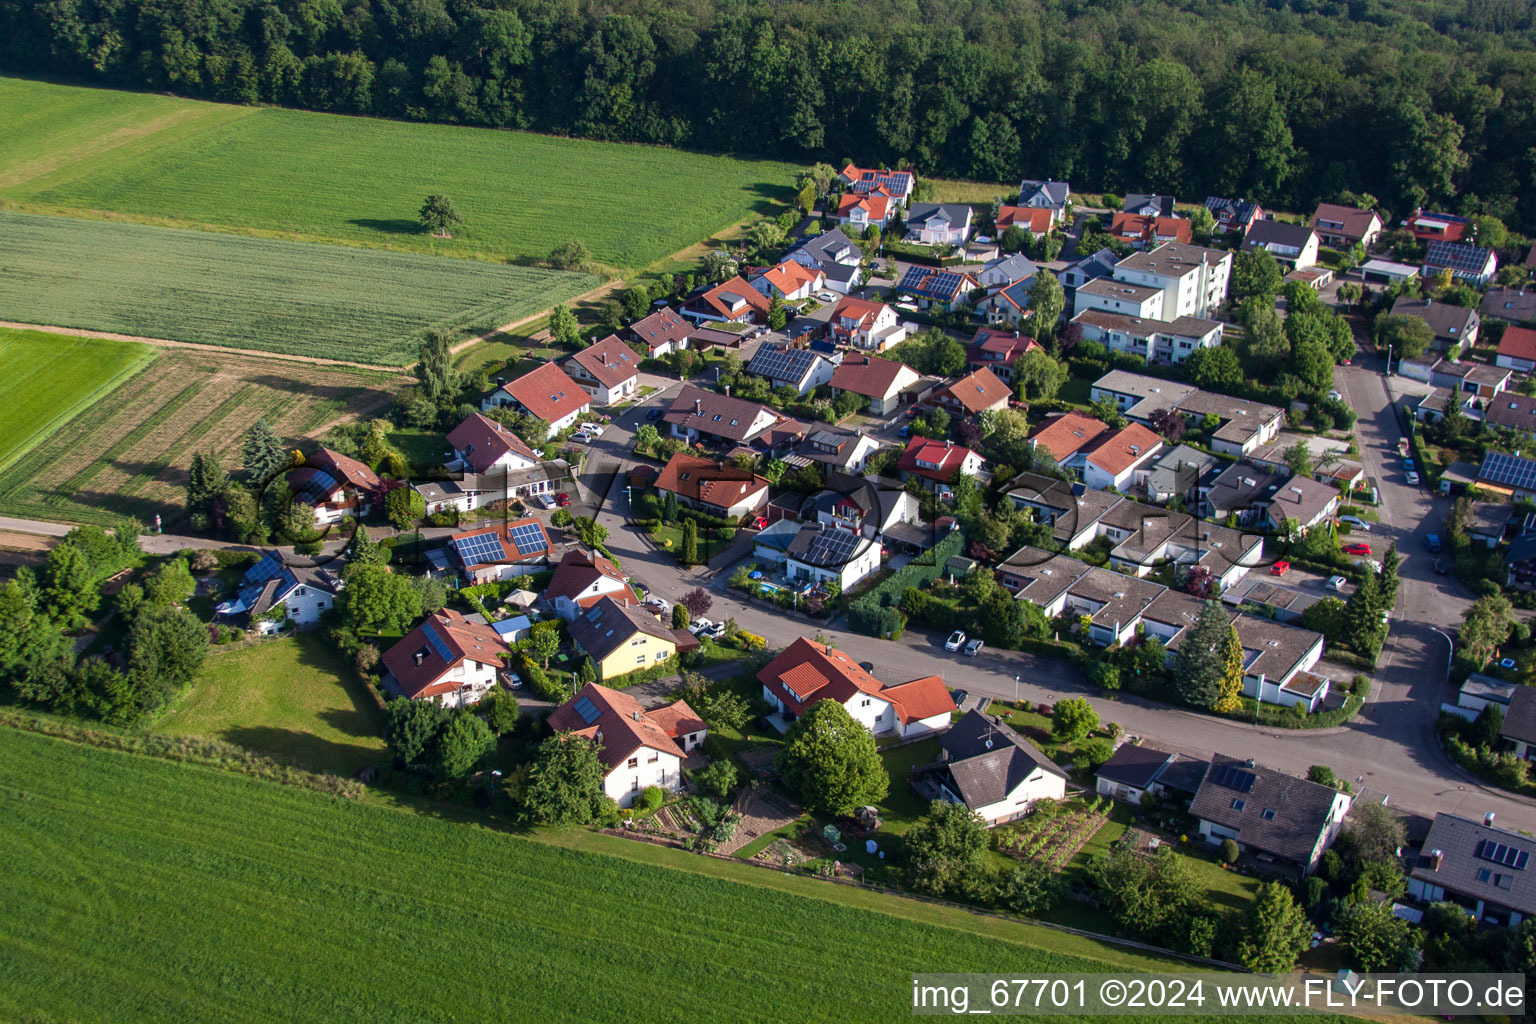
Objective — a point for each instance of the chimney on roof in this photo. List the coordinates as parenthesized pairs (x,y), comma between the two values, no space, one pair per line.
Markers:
(598,736)
(1250,762)
(420,656)
(948,444)
(698,407)
(1435,857)
(636,714)
(1488,820)
(727,391)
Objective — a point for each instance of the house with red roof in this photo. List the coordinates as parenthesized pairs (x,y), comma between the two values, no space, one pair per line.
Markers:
(1068,435)
(1517,349)
(808,672)
(501,551)
(882,381)
(1115,458)
(1034,219)
(712,487)
(545,392)
(638,748)
(997,350)
(933,463)
(896,184)
(860,211)
(336,485)
(1436,227)
(734,301)
(872,326)
(788,281)
(608,370)
(1141,231)
(662,333)
(481,445)
(581,580)
(446,659)
(970,396)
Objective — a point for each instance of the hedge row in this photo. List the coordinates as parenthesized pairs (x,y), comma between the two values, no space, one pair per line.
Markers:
(876,613)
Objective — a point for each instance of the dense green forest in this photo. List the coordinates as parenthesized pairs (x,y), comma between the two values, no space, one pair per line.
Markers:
(1287,101)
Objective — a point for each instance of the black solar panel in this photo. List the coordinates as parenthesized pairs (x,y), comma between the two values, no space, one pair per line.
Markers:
(1459,256)
(529,538)
(478,550)
(1500,853)
(913,279)
(587,710)
(268,568)
(1509,470)
(1233,777)
(437,642)
(779,363)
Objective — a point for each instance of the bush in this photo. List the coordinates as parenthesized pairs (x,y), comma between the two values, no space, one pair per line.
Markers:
(652,797)
(1229,851)
(1361,686)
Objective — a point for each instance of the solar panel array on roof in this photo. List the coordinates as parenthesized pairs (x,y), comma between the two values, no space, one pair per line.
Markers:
(318,482)
(832,548)
(1509,470)
(913,279)
(1233,777)
(268,568)
(781,363)
(529,538)
(587,710)
(479,549)
(1500,853)
(436,642)
(1469,259)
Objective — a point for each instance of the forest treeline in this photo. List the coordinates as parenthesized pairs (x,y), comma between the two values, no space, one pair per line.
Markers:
(1413,102)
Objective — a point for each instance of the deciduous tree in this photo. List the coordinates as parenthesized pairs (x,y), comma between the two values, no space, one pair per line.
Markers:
(830,762)
(565,782)
(438,215)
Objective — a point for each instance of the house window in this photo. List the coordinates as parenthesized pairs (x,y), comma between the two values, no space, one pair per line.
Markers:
(1238,805)
(1268,814)
(634,762)
(634,787)
(864,703)
(640,660)
(653,758)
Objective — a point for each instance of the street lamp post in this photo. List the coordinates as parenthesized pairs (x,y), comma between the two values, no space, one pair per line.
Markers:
(1015,689)
(1450,650)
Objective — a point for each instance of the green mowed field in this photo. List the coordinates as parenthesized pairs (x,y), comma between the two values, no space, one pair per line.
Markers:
(141,889)
(295,700)
(47,379)
(297,298)
(363,180)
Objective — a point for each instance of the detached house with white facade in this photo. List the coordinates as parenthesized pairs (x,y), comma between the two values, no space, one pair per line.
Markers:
(882,381)
(939,223)
(638,748)
(608,370)
(866,324)
(545,392)
(992,770)
(273,594)
(834,254)
(808,672)
(447,659)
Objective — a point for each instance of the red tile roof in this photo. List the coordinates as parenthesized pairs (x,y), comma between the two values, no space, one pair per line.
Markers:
(611,361)
(874,204)
(677,719)
(753,303)
(708,481)
(483,441)
(665,326)
(345,469)
(867,375)
(1034,219)
(863,311)
(547,392)
(1518,343)
(1119,451)
(978,391)
(920,698)
(789,277)
(991,347)
(944,457)
(619,725)
(1068,434)
(1146,229)
(420,668)
(577,571)
(808,672)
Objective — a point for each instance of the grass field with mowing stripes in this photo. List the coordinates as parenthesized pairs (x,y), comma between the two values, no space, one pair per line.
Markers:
(141,889)
(297,298)
(363,180)
(48,379)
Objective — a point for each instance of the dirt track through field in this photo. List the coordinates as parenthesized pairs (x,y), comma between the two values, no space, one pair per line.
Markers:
(593,295)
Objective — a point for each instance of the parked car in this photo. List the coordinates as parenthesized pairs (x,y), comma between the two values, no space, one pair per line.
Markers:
(656,604)
(1357,549)
(1356,522)
(1412,478)
(1368,563)
(959,697)
(513,681)
(716,631)
(1336,582)
(760,523)
(974,648)
(1280,568)
(653,414)
(545,500)
(905,431)
(698,626)
(1432,542)
(563,500)
(1335,396)
(956,641)
(1409,466)
(1440,567)
(826,296)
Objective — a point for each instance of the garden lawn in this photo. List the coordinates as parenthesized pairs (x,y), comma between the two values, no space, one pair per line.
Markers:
(362,181)
(295,700)
(269,294)
(47,379)
(147,890)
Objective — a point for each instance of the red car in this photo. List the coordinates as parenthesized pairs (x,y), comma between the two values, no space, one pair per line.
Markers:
(1357,549)
(563,500)
(1280,568)
(759,522)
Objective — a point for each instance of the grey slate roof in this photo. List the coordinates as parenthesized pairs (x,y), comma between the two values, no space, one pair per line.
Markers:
(1465,871)
(608,625)
(954,213)
(1149,203)
(1134,766)
(829,248)
(1511,409)
(1512,304)
(987,761)
(1449,322)
(1299,808)
(1016,267)
(1520,719)
(1047,195)
(1276,232)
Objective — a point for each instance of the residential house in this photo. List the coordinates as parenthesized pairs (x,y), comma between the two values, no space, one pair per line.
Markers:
(638,748)
(1292,245)
(1241,490)
(446,659)
(1154,340)
(820,554)
(712,487)
(1046,195)
(1112,602)
(1479,691)
(934,463)
(1437,227)
(502,551)
(1146,204)
(789,281)
(808,672)
(1455,327)
(939,289)
(1234,215)
(1341,227)
(620,638)
(1515,411)
(1277,658)
(998,351)
(733,301)
(1241,425)
(1509,475)
(882,381)
(1512,305)
(1477,379)
(1519,727)
(865,324)
(1488,522)
(336,485)
(481,445)
(1006,304)
(1117,457)
(545,392)
(581,580)
(1005,270)
(1193,279)
(803,369)
(1473,264)
(1380,271)
(853,503)
(837,448)
(1270,815)
(1141,231)
(1035,220)
(1139,395)
(862,211)
(972,395)
(1068,435)
(1137,770)
(696,413)
(1301,504)
(468,491)
(608,370)
(1520,563)
(1178,473)
(939,223)
(836,256)
(1145,536)
(1123,298)
(896,184)
(989,768)
(1088,268)
(1517,349)
(662,332)
(272,594)
(1486,871)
